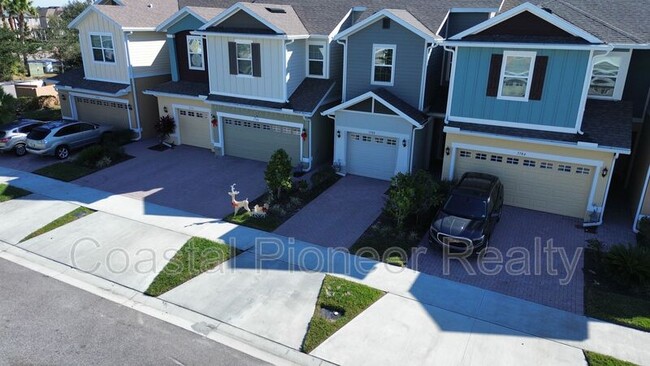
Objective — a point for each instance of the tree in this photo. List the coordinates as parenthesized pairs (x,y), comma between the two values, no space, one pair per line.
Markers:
(4,5)
(62,41)
(10,49)
(278,173)
(17,10)
(7,107)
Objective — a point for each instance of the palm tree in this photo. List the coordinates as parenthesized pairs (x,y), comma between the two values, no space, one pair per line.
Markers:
(4,4)
(17,10)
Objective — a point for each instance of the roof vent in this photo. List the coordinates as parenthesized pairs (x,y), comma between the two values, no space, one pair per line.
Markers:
(548,10)
(150,6)
(276,10)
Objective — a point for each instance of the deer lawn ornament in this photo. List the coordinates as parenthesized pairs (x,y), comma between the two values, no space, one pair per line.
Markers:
(260,211)
(237,205)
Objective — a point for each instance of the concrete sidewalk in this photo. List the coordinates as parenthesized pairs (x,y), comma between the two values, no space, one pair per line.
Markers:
(418,306)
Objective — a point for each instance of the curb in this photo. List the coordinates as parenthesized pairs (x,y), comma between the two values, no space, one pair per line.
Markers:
(213,329)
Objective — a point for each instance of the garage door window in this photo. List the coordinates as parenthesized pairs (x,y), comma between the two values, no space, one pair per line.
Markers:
(564,168)
(496,158)
(530,163)
(545,165)
(582,170)
(480,156)
(513,161)
(465,154)
(263,126)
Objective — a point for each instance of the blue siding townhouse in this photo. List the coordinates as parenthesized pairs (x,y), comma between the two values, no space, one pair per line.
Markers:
(545,98)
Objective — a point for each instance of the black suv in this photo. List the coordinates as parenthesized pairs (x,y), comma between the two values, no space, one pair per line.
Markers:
(467,219)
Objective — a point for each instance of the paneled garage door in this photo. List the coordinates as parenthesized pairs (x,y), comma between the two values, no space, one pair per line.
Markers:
(102,111)
(550,186)
(257,140)
(371,156)
(194,128)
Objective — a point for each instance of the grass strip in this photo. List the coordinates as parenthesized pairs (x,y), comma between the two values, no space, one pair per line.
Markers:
(63,220)
(8,192)
(597,359)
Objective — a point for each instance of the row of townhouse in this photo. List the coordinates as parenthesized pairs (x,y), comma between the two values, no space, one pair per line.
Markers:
(551,97)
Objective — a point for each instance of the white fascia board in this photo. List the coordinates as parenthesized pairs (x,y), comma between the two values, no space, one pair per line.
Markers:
(550,46)
(365,96)
(242,35)
(84,13)
(381,14)
(539,12)
(178,16)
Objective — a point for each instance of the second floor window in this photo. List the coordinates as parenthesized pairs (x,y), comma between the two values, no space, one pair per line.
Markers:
(316,59)
(516,75)
(244,59)
(383,64)
(195,53)
(102,46)
(608,75)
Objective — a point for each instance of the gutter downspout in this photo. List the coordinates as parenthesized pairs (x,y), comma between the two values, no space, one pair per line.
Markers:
(413,143)
(451,80)
(311,133)
(609,182)
(136,108)
(637,217)
(345,70)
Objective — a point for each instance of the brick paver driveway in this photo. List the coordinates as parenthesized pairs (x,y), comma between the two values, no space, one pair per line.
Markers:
(526,271)
(185,178)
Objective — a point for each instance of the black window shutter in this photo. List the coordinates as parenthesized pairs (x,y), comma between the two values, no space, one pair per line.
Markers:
(537,84)
(232,57)
(493,76)
(257,62)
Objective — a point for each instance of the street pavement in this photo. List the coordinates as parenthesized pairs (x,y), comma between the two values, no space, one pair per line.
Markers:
(46,322)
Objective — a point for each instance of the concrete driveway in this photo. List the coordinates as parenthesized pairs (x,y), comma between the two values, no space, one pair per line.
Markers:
(186,178)
(339,216)
(27,163)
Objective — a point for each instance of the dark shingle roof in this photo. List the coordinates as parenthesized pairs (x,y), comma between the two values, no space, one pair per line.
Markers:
(75,79)
(305,99)
(622,22)
(182,88)
(321,17)
(606,123)
(413,113)
(138,13)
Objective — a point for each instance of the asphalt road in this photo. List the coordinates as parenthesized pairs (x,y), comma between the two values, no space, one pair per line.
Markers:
(47,322)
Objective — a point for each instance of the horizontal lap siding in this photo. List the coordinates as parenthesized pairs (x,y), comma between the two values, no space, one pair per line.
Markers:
(296,64)
(149,54)
(409,57)
(560,100)
(118,71)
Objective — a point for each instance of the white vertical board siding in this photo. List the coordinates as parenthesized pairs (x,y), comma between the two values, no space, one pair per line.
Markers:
(296,64)
(149,54)
(269,86)
(115,72)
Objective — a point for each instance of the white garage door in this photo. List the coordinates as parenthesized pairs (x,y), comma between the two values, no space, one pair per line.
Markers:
(550,186)
(194,128)
(258,141)
(371,156)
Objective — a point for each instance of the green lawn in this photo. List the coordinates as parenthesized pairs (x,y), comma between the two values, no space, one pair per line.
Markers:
(66,171)
(8,192)
(348,298)
(268,223)
(596,359)
(616,308)
(195,257)
(63,220)
(45,114)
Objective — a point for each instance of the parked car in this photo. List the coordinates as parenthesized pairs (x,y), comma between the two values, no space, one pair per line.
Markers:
(13,135)
(468,217)
(58,138)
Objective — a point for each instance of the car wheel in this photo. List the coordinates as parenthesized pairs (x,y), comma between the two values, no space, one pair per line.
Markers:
(20,150)
(62,152)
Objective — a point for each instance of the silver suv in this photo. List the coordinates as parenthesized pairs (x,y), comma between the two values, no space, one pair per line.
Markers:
(59,137)
(13,135)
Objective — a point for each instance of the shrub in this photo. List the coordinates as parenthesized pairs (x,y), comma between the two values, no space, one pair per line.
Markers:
(164,127)
(643,236)
(104,162)
(27,104)
(47,101)
(89,156)
(323,175)
(278,173)
(411,195)
(630,265)
(302,186)
(597,246)
(118,137)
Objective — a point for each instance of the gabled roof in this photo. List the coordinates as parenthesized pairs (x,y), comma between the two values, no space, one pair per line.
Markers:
(390,101)
(281,19)
(321,17)
(620,22)
(133,15)
(203,14)
(534,10)
(400,16)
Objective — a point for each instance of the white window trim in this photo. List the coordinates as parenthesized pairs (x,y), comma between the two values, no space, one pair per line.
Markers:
(249,43)
(325,59)
(189,54)
(626,56)
(375,48)
(507,54)
(92,54)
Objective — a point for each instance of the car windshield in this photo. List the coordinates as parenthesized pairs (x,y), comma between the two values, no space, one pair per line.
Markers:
(466,206)
(38,134)
(2,134)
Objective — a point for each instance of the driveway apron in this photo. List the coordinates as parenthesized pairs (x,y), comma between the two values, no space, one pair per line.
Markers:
(339,216)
